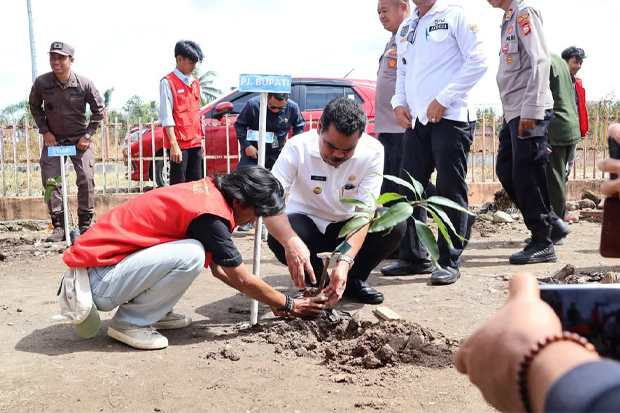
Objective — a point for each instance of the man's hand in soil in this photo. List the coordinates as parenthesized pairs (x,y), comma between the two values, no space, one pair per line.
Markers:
(49,139)
(298,260)
(176,155)
(303,307)
(83,143)
(337,283)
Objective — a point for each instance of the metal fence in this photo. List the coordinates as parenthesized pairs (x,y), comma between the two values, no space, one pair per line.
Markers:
(119,169)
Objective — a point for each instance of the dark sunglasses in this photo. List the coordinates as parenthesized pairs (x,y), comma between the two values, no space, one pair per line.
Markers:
(414,29)
(276,107)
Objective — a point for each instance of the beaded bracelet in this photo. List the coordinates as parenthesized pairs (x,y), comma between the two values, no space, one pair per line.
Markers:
(535,349)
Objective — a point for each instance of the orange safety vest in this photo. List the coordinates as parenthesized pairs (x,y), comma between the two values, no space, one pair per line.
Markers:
(185,112)
(156,217)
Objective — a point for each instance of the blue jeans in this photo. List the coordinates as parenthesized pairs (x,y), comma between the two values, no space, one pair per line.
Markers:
(147,284)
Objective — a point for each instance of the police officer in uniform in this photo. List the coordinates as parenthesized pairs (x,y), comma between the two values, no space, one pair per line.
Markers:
(440,58)
(390,133)
(523,81)
(58,104)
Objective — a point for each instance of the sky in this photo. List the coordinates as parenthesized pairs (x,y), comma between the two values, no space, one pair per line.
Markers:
(129,44)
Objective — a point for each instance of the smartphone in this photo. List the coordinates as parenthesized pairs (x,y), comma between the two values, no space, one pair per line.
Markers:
(590,310)
(610,239)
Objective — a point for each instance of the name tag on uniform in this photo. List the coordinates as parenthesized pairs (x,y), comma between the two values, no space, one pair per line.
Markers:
(318,178)
(180,90)
(253,136)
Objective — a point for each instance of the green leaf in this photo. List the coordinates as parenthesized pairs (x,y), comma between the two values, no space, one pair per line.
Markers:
(388,197)
(439,200)
(355,202)
(365,213)
(51,181)
(446,220)
(394,215)
(372,199)
(352,225)
(401,182)
(440,225)
(427,239)
(343,248)
(417,185)
(48,193)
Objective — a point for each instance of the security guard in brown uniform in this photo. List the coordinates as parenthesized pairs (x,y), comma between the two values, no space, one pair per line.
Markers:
(58,104)
(523,81)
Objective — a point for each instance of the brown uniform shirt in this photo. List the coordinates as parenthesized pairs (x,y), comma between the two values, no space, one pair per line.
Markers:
(61,108)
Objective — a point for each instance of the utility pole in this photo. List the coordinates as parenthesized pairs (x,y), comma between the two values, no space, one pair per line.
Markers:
(33,55)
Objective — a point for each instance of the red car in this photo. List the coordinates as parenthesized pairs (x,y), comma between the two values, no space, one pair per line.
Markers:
(311,94)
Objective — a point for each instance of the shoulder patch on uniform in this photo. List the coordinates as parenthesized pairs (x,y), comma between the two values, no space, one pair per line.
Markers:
(473,28)
(522,17)
(525,28)
(509,14)
(404,30)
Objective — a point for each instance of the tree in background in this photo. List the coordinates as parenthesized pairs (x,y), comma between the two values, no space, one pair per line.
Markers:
(18,112)
(208,92)
(136,109)
(107,97)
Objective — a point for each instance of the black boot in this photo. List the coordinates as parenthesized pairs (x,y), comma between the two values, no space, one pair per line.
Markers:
(58,234)
(539,250)
(84,221)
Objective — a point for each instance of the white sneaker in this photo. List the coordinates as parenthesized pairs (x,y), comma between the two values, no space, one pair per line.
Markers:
(171,321)
(144,338)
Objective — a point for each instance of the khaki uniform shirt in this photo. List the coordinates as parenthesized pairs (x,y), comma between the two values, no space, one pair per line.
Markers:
(61,108)
(385,119)
(523,76)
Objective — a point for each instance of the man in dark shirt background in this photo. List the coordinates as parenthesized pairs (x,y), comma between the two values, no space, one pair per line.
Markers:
(58,104)
(282,115)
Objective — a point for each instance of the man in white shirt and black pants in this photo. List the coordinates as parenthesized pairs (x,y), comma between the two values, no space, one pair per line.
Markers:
(440,59)
(318,168)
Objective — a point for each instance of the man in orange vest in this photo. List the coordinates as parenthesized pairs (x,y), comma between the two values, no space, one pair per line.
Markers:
(144,254)
(179,112)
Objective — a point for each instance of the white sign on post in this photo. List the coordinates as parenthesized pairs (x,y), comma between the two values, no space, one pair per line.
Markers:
(63,151)
(263,84)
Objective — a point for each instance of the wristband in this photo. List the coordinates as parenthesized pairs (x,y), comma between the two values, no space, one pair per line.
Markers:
(346,259)
(535,349)
(288,306)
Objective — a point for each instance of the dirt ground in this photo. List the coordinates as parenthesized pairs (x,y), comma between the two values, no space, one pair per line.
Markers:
(221,364)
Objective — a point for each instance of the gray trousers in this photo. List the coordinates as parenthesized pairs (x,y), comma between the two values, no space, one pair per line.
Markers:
(147,284)
(84,165)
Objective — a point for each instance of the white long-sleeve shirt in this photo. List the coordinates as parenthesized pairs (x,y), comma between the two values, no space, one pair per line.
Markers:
(440,56)
(166,103)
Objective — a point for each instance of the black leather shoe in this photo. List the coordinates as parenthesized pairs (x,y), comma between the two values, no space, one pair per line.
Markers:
(361,292)
(445,276)
(534,253)
(558,242)
(404,267)
(559,230)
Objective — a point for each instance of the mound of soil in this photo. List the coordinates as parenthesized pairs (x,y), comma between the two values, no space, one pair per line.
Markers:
(350,345)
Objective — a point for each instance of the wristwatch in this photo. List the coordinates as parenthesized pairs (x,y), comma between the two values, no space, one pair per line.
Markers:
(88,136)
(346,259)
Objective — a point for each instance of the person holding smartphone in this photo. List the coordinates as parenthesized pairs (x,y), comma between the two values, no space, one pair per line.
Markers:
(563,376)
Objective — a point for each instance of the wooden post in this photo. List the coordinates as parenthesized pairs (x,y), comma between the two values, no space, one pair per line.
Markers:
(484,132)
(153,165)
(107,133)
(140,154)
(595,142)
(116,151)
(310,122)
(27,129)
(15,157)
(103,150)
(129,171)
(2,135)
(493,132)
